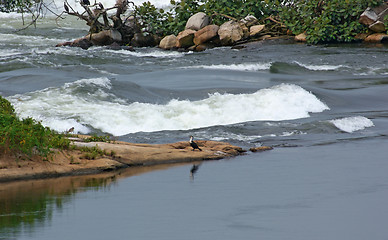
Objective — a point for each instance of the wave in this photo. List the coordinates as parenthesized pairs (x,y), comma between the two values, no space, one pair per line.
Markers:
(352,124)
(237,67)
(89,103)
(319,67)
(153,52)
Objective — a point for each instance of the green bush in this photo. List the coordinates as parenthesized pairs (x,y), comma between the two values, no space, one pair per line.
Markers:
(322,20)
(325,21)
(173,21)
(26,136)
(15,5)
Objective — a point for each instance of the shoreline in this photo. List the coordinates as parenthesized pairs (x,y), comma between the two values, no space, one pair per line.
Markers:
(122,155)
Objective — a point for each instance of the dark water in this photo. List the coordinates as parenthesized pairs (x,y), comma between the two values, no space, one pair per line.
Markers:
(323,109)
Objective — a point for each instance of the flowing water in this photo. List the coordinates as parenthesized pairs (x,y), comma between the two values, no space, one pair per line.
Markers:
(323,108)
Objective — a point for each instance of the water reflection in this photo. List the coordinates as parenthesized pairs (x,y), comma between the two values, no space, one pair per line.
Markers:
(26,205)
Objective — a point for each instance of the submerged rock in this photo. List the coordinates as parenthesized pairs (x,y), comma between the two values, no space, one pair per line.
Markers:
(141,40)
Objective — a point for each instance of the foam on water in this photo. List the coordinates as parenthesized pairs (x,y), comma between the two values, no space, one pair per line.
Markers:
(319,67)
(88,103)
(352,124)
(238,67)
(156,53)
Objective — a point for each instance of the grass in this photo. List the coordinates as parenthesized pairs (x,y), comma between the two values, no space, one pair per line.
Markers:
(27,136)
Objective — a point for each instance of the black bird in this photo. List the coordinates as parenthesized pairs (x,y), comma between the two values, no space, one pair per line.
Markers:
(86,2)
(70,130)
(193,144)
(66,7)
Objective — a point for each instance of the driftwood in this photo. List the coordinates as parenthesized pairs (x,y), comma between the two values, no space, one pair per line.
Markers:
(104,29)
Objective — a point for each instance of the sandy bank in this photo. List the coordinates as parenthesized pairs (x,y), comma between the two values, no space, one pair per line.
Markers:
(119,155)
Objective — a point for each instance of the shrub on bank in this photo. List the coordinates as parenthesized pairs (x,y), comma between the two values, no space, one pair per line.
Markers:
(321,20)
(26,136)
(326,21)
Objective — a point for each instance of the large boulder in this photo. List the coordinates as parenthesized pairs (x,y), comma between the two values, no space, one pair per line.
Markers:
(105,37)
(141,40)
(377,38)
(185,38)
(378,27)
(198,21)
(374,17)
(168,42)
(230,33)
(206,34)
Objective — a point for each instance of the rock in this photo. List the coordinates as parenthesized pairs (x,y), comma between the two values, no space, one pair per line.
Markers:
(105,37)
(361,36)
(368,17)
(168,42)
(265,37)
(249,20)
(374,17)
(256,30)
(260,149)
(230,33)
(206,34)
(377,27)
(198,21)
(377,38)
(301,37)
(204,46)
(185,39)
(141,40)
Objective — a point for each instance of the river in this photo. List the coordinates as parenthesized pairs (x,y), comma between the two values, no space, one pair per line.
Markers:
(323,108)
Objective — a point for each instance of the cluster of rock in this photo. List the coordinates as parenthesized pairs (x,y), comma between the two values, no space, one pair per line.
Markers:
(374,19)
(201,34)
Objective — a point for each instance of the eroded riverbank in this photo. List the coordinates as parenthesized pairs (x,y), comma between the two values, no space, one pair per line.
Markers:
(119,155)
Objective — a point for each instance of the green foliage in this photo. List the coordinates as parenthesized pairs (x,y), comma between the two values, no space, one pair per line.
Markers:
(16,5)
(173,21)
(98,139)
(237,9)
(325,21)
(150,17)
(6,107)
(26,136)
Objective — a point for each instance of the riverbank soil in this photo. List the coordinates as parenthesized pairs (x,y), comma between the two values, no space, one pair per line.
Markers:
(117,155)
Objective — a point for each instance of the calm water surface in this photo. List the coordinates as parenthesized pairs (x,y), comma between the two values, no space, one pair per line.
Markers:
(323,109)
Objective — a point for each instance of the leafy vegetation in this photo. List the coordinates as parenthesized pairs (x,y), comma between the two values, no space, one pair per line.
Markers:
(15,5)
(26,136)
(326,21)
(96,138)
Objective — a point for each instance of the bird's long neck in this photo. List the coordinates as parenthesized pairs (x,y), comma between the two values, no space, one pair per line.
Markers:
(191,139)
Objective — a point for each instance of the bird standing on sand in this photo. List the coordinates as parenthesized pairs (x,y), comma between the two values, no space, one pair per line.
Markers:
(193,144)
